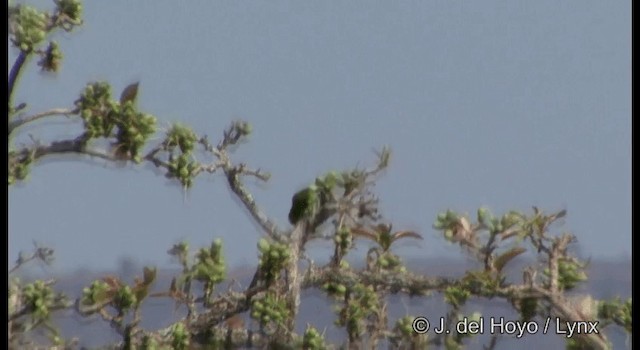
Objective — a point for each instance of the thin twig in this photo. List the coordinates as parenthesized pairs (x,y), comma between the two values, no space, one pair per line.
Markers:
(52,112)
(233,178)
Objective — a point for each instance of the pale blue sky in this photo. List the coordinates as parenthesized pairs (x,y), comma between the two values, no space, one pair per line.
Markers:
(506,104)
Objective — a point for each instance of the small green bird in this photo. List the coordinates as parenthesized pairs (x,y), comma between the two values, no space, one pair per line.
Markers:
(130,93)
(302,205)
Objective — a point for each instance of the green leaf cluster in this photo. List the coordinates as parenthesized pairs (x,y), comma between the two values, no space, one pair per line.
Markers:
(570,274)
(19,166)
(114,292)
(344,239)
(404,325)
(404,337)
(104,117)
(336,290)
(134,129)
(70,11)
(182,137)
(27,26)
(274,257)
(456,296)
(97,293)
(482,282)
(313,340)
(210,266)
(361,301)
(179,337)
(447,222)
(269,310)
(183,166)
(125,298)
(390,262)
(616,311)
(38,298)
(97,109)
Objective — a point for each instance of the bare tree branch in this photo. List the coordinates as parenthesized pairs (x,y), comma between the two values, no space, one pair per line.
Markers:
(14,124)
(233,174)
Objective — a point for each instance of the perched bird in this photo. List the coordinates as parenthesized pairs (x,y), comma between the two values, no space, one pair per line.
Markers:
(129,93)
(302,205)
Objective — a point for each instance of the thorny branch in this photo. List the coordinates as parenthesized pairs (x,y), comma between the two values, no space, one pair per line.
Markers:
(233,174)
(355,205)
